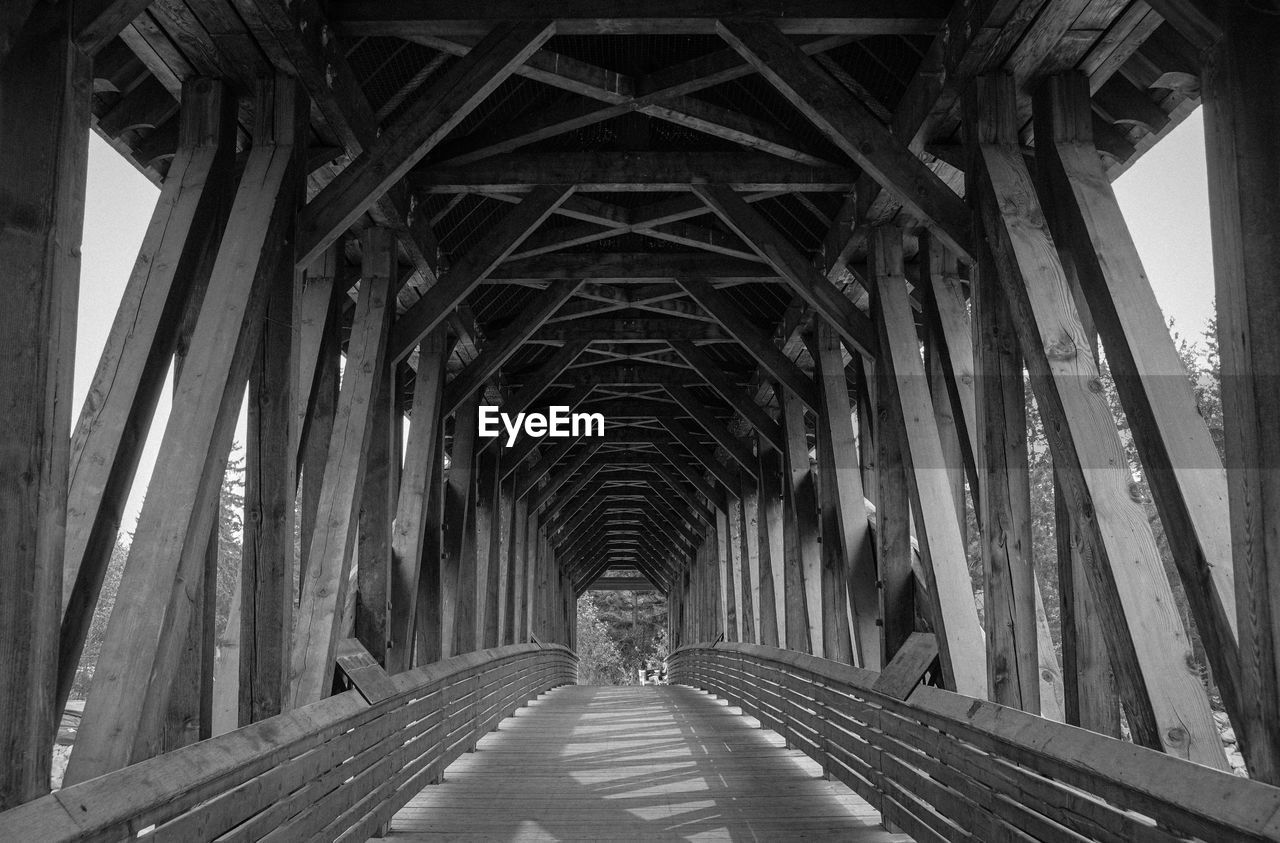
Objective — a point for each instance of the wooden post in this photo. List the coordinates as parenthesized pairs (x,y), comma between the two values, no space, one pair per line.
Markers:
(266,570)
(487,546)
(142,647)
(45,86)
(321,612)
(170,275)
(409,562)
(802,557)
(893,520)
(377,506)
(506,572)
(1089,688)
(1005,499)
(845,510)
(428,633)
(770,580)
(942,553)
(749,512)
(1165,700)
(1242,122)
(737,570)
(313,450)
(458,576)
(518,561)
(533,539)
(724,580)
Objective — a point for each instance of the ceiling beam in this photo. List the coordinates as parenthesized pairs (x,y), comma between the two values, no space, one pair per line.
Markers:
(533,316)
(419,128)
(621,172)
(453,288)
(753,339)
(852,127)
(736,397)
(409,18)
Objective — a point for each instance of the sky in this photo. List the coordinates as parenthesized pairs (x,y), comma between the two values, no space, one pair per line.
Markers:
(1164,197)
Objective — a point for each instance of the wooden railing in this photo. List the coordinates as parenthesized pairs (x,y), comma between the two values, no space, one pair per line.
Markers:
(943,766)
(332,770)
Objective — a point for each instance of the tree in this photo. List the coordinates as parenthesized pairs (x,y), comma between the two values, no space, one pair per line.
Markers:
(599,662)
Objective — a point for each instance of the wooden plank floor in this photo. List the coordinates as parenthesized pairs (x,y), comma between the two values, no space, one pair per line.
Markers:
(635,763)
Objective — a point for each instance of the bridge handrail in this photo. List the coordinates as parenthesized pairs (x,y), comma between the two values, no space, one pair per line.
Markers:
(944,766)
(337,768)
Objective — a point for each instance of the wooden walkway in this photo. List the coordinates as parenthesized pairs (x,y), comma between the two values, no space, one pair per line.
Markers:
(635,763)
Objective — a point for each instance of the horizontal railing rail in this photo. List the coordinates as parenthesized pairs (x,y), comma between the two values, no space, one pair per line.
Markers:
(943,766)
(333,770)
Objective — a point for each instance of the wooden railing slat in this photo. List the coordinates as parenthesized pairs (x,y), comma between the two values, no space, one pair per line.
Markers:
(940,764)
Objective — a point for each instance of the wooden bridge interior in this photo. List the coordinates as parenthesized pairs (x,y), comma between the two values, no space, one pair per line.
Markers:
(799,254)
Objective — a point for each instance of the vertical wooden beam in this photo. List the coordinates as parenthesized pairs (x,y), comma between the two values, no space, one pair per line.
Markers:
(142,646)
(1165,699)
(266,570)
(533,552)
(737,571)
(313,451)
(488,546)
(428,632)
(845,513)
(1005,500)
(172,265)
(1242,121)
(328,570)
(508,578)
(408,535)
(518,561)
(45,85)
(749,528)
(942,553)
(802,562)
(772,619)
(457,576)
(724,577)
(893,519)
(377,503)
(1088,687)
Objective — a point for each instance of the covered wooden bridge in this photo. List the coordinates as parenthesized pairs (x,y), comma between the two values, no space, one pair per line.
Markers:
(806,257)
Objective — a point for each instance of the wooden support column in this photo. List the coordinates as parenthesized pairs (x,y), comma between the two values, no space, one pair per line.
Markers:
(457,576)
(802,557)
(170,273)
(513,550)
(45,85)
(724,578)
(313,451)
(846,528)
(1089,687)
(1242,121)
(428,620)
(893,517)
(942,553)
(1165,699)
(266,568)
(533,570)
(1005,500)
(143,643)
(737,572)
(377,505)
(770,580)
(488,546)
(328,569)
(1178,455)
(749,530)
(409,534)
